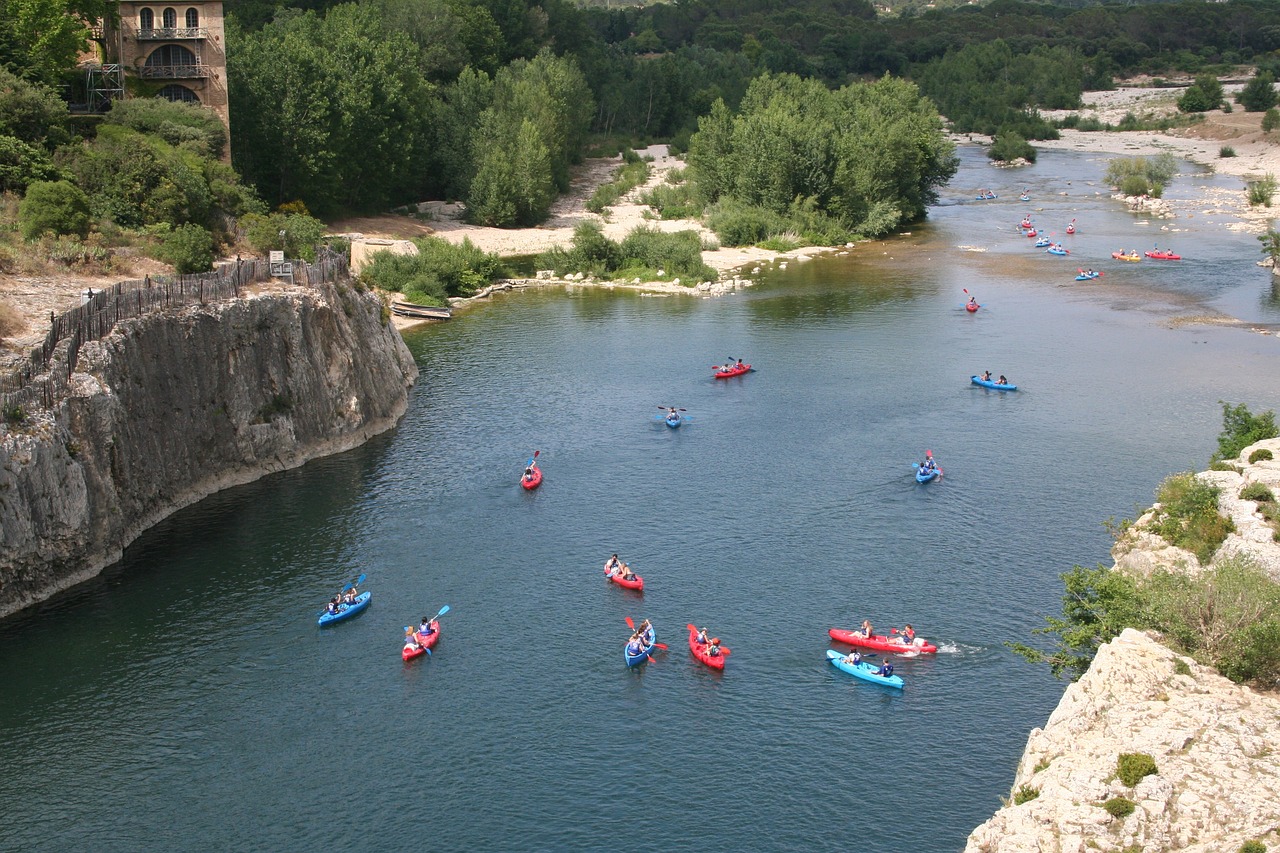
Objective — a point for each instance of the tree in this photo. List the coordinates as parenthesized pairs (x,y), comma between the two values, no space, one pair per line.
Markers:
(40,40)
(1270,120)
(53,207)
(1259,94)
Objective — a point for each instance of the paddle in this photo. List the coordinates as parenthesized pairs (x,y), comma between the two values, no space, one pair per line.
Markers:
(669,408)
(408,630)
(531,458)
(355,582)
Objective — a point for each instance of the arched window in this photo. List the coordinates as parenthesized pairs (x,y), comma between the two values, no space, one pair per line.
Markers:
(193,18)
(172,59)
(146,19)
(170,19)
(174,92)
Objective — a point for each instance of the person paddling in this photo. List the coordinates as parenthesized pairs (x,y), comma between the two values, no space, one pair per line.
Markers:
(701,638)
(854,657)
(612,565)
(713,649)
(1002,380)
(986,376)
(411,640)
(425,628)
(886,669)
(907,635)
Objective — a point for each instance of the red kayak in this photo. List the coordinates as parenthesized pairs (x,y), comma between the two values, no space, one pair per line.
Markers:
(700,652)
(1163,256)
(736,370)
(533,482)
(879,642)
(425,641)
(636,583)
(971,307)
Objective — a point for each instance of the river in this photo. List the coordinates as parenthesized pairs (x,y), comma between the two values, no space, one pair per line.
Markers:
(185,700)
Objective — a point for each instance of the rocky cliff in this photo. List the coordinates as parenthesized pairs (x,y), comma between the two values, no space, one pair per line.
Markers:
(175,405)
(1215,744)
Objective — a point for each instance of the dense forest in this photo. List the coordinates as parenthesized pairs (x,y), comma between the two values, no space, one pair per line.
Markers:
(339,107)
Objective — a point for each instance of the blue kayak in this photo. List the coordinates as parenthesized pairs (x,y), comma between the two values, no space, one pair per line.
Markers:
(345,611)
(994,386)
(923,476)
(863,670)
(636,660)
(1054,250)
(673,422)
(1084,276)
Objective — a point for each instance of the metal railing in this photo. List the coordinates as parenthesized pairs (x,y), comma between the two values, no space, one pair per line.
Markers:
(172,33)
(174,72)
(42,380)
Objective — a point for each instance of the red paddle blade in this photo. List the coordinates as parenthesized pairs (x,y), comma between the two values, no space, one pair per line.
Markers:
(725,651)
(692,627)
(631,624)
(662,646)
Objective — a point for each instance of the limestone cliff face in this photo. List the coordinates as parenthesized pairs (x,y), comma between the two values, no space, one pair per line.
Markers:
(173,406)
(1216,745)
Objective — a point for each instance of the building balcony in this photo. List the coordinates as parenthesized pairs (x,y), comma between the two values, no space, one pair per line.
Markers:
(174,72)
(172,33)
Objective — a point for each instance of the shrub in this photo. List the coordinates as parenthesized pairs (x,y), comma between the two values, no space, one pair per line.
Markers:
(440,269)
(1253,846)
(680,254)
(1181,667)
(681,201)
(1241,428)
(1260,455)
(57,207)
(180,124)
(1270,120)
(22,164)
(1261,191)
(1025,794)
(1120,806)
(1010,146)
(1257,492)
(189,248)
(1188,516)
(1133,767)
(1226,151)
(1154,172)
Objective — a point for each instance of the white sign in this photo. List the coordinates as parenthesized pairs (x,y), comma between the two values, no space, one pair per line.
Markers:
(276,257)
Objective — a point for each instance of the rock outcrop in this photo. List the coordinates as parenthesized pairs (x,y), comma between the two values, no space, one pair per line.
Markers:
(175,405)
(1215,744)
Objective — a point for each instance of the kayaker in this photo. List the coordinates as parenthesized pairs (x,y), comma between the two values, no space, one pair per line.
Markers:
(634,646)
(612,564)
(714,648)
(647,634)
(332,607)
(854,657)
(973,300)
(528,472)
(739,365)
(867,630)
(625,572)
(886,669)
(986,376)
(425,628)
(1002,380)
(907,635)
(701,638)
(349,596)
(411,640)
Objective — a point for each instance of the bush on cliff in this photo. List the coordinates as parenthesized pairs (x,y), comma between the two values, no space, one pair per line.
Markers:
(1133,767)
(1188,516)
(1241,428)
(296,234)
(1260,455)
(1227,617)
(1120,807)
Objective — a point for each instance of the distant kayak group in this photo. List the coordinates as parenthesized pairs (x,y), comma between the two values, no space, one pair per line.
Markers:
(1056,248)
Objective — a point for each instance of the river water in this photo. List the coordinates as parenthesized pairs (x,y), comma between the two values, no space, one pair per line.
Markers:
(185,699)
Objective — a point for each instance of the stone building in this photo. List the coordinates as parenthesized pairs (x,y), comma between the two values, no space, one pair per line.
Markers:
(178,49)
